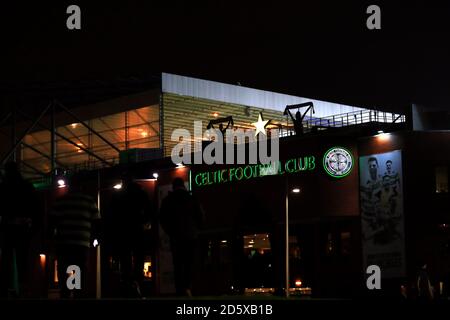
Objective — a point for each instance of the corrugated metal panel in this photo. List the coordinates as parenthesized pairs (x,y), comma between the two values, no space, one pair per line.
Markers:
(228,93)
(182,111)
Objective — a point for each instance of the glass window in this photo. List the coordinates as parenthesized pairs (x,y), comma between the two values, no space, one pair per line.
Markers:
(441,175)
(345,243)
(147,272)
(330,245)
(133,129)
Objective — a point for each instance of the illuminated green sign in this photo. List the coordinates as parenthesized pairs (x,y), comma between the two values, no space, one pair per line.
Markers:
(254,171)
(338,162)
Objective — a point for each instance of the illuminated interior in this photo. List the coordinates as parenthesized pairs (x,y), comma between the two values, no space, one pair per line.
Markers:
(55,271)
(147,269)
(259,242)
(138,128)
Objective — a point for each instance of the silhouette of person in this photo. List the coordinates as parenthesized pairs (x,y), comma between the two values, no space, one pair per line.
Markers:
(424,288)
(73,218)
(297,121)
(17,223)
(298,125)
(131,217)
(181,218)
(253,217)
(221,127)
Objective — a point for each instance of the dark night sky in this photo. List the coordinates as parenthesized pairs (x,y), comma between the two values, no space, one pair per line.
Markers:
(315,49)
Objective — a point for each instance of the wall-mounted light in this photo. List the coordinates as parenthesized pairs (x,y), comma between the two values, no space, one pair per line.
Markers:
(296,190)
(298,283)
(215,114)
(118,186)
(55,271)
(382,136)
(61,183)
(42,260)
(155,175)
(95,243)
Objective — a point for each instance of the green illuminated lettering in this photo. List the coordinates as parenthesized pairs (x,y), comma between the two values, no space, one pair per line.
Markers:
(196,176)
(231,174)
(241,173)
(280,168)
(255,171)
(263,169)
(312,163)
(259,169)
(286,166)
(302,165)
(296,164)
(221,175)
(245,172)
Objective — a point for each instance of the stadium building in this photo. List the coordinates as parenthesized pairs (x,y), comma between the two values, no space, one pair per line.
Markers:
(353,187)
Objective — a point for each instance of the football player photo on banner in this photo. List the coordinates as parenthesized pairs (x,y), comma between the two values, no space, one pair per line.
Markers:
(381,201)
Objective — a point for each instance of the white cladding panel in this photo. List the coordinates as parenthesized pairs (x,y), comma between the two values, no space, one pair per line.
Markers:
(223,92)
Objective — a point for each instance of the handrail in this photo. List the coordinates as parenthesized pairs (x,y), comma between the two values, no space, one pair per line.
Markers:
(347,119)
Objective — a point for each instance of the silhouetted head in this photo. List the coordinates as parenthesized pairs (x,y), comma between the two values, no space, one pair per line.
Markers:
(298,115)
(178,184)
(423,263)
(12,171)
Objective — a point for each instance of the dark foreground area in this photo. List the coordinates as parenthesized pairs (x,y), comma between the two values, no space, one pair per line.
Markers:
(223,307)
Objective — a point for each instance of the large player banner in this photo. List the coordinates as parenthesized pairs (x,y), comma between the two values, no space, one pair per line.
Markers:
(381,196)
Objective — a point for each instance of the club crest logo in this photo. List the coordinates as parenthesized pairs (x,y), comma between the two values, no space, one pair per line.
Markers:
(338,162)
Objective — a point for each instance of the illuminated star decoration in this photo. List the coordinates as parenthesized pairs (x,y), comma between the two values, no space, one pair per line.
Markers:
(260,125)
